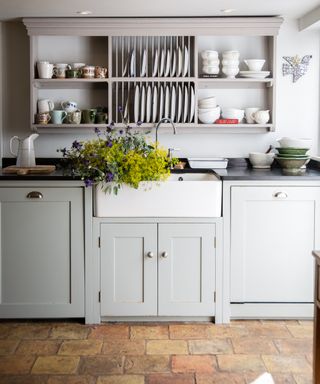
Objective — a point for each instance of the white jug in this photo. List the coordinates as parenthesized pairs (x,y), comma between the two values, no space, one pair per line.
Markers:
(261,117)
(25,153)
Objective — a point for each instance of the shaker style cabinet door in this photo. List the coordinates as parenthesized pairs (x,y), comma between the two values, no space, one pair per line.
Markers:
(273,232)
(128,269)
(42,252)
(186,269)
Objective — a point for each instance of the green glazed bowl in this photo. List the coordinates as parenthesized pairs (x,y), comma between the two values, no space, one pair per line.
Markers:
(285,156)
(293,163)
(292,151)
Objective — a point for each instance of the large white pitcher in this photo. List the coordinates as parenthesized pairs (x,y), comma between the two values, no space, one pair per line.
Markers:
(25,153)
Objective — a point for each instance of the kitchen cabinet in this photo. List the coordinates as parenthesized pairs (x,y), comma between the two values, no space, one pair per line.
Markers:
(273,230)
(42,252)
(157,269)
(154,68)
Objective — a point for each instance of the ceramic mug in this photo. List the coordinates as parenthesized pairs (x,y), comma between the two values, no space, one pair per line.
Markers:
(101,117)
(87,72)
(45,70)
(100,72)
(43,118)
(57,116)
(69,106)
(72,73)
(45,105)
(88,116)
(74,117)
(77,65)
(59,70)
(249,114)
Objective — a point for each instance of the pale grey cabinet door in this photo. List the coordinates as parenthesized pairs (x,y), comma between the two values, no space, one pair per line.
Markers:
(186,269)
(128,269)
(42,253)
(273,231)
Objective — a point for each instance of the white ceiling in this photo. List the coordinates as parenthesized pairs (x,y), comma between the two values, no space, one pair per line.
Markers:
(11,9)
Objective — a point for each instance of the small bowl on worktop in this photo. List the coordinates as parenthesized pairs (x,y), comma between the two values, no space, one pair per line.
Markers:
(289,151)
(261,160)
(293,165)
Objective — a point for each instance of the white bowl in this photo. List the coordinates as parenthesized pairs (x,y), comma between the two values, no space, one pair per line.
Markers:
(210,116)
(233,113)
(209,54)
(207,102)
(205,110)
(254,64)
(230,72)
(290,142)
(230,62)
(231,55)
(261,160)
(210,62)
(212,70)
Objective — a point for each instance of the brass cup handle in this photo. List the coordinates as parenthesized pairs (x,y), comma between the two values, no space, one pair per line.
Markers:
(150,255)
(164,255)
(34,195)
(280,195)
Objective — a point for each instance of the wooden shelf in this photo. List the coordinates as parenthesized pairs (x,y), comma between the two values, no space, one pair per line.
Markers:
(68,83)
(152,79)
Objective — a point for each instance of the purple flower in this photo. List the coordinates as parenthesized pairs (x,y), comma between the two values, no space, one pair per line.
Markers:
(139,122)
(64,151)
(76,145)
(97,131)
(109,176)
(88,182)
(109,144)
(121,132)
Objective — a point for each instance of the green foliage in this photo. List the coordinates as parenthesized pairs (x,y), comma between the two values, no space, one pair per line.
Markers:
(118,157)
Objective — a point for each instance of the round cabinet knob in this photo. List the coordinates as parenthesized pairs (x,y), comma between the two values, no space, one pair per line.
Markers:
(280,195)
(164,255)
(150,255)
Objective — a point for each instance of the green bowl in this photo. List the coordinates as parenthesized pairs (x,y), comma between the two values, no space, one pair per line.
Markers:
(292,151)
(285,156)
(293,163)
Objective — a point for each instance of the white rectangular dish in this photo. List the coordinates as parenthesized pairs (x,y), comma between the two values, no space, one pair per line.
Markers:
(208,163)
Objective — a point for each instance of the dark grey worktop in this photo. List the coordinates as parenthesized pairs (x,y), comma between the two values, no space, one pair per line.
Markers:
(238,169)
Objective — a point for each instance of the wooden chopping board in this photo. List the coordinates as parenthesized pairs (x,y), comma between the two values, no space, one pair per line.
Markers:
(37,169)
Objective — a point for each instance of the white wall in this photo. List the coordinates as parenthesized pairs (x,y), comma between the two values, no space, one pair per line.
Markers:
(297,103)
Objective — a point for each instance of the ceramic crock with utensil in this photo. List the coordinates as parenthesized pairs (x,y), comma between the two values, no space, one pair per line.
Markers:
(25,153)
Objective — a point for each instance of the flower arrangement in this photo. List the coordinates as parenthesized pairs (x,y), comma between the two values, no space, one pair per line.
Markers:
(118,157)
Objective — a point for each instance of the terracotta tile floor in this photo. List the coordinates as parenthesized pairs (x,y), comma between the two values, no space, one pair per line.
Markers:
(178,353)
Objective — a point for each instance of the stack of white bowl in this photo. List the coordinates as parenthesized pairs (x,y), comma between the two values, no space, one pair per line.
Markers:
(208,111)
(230,63)
(210,62)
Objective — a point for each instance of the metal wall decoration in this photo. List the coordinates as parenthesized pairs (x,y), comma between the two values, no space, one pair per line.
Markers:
(295,66)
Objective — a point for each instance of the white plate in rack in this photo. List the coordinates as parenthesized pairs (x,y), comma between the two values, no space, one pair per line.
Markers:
(168,63)
(161,102)
(142,104)
(155,64)
(179,102)
(185,104)
(173,63)
(154,104)
(133,63)
(162,62)
(167,102)
(192,103)
(143,62)
(148,104)
(185,61)
(136,103)
(179,62)
(173,103)
(125,69)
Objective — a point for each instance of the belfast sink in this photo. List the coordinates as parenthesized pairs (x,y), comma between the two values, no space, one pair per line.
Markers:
(182,195)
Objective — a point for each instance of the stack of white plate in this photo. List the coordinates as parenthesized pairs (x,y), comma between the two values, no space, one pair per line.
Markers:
(210,62)
(208,111)
(230,63)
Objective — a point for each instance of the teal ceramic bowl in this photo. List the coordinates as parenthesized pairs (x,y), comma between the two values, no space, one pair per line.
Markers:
(292,151)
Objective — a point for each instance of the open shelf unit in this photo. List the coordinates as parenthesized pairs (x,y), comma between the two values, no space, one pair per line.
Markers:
(135,52)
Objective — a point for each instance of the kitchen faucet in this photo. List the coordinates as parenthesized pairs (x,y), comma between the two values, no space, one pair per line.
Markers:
(165,120)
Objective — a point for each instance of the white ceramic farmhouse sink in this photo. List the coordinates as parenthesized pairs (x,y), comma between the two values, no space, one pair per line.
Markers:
(182,195)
